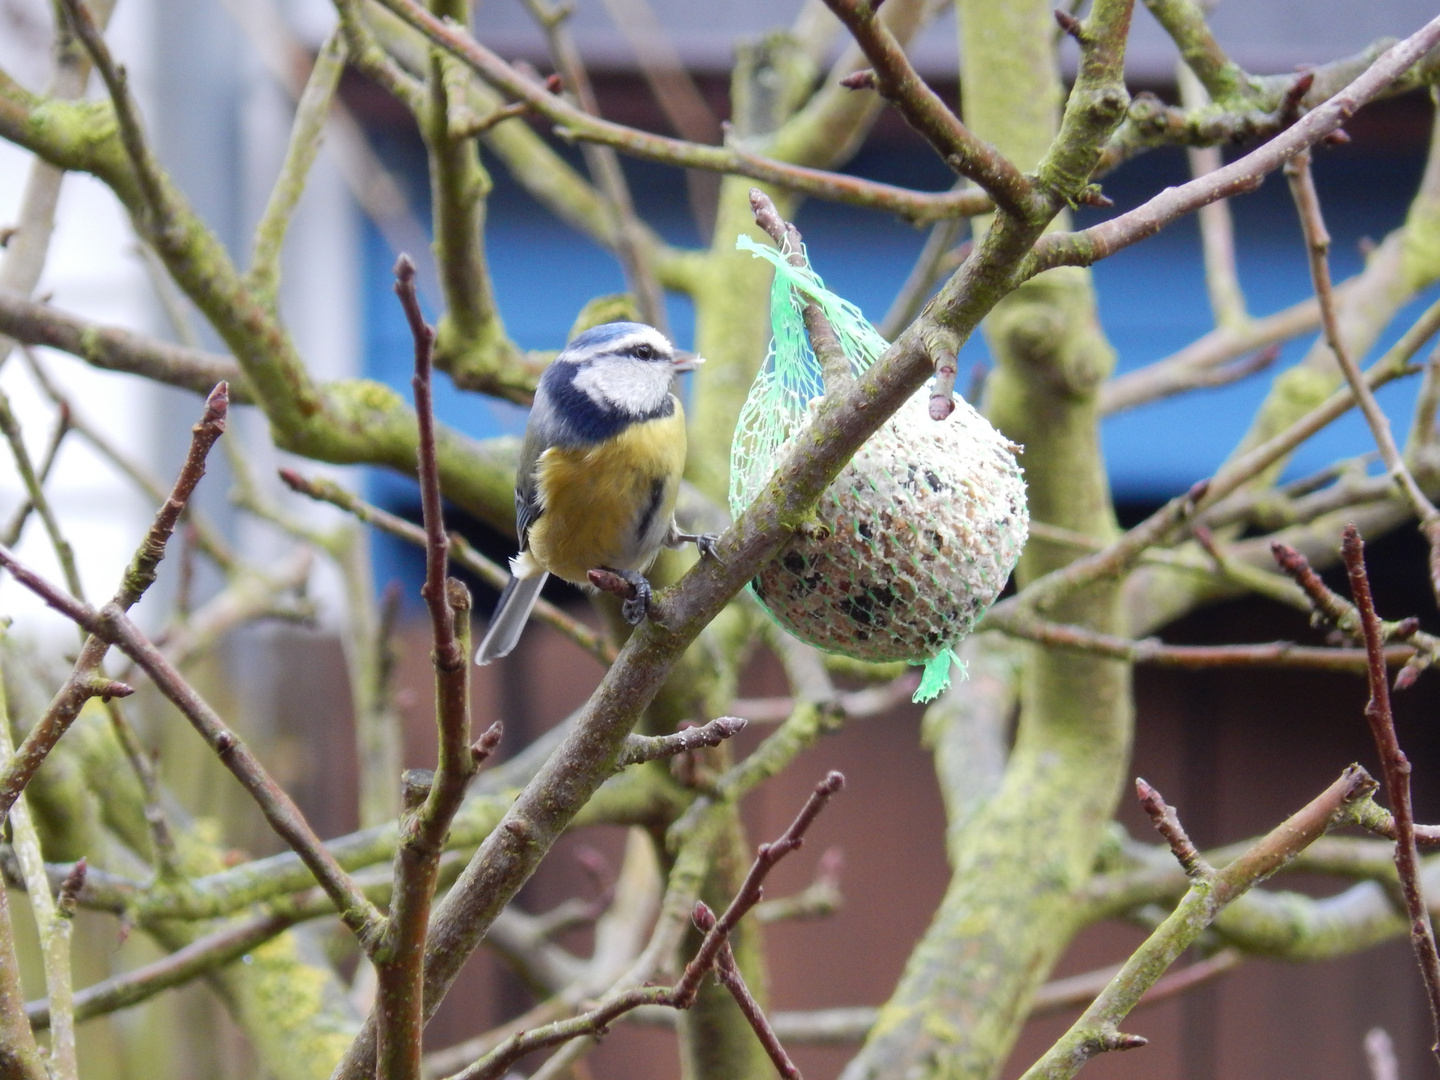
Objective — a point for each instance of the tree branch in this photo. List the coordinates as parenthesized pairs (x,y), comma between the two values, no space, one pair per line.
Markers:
(1280,654)
(84,681)
(1244,174)
(26,248)
(575,123)
(1193,365)
(1317,238)
(605,170)
(110,625)
(899,83)
(200,957)
(1096,1031)
(400,956)
(682,994)
(311,111)
(639,748)
(111,349)
(53,918)
(1396,768)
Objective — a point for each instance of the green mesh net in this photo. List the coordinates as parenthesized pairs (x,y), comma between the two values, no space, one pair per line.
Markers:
(920,530)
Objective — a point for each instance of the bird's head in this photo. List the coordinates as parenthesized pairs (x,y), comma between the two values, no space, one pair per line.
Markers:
(626,366)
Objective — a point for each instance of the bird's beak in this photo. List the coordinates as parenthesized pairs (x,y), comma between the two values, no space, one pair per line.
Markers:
(686,361)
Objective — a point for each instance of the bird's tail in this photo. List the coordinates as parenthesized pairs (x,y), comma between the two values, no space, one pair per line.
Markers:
(510,616)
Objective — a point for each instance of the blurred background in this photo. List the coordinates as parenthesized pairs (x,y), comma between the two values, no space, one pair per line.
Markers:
(216,82)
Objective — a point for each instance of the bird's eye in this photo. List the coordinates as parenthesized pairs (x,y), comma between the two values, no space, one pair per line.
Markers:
(645,352)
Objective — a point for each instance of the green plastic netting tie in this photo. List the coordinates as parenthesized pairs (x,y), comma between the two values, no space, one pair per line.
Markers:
(936,679)
(791,378)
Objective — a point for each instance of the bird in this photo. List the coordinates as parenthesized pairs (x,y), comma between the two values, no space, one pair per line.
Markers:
(599,473)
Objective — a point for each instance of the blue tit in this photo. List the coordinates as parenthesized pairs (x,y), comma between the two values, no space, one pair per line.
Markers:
(599,472)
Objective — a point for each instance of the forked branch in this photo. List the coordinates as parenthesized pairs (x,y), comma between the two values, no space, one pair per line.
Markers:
(1097,1030)
(682,994)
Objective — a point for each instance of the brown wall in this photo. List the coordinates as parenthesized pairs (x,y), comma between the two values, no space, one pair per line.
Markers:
(1233,751)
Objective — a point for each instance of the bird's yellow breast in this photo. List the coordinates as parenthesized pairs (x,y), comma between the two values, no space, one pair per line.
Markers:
(610,504)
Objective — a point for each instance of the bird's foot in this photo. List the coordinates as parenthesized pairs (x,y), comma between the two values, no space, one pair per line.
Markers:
(705,542)
(632,588)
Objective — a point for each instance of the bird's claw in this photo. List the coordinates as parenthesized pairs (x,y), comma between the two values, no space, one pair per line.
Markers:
(634,608)
(637,607)
(705,542)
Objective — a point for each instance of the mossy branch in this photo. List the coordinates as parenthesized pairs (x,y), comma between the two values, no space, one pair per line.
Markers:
(311,112)
(1097,1029)
(575,123)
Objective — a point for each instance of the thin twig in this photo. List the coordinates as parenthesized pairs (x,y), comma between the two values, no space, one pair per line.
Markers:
(28,236)
(84,681)
(640,748)
(1261,582)
(604,165)
(750,889)
(679,98)
(379,194)
(1334,610)
(248,596)
(1317,239)
(36,494)
(727,971)
(1220,348)
(10,535)
(216,548)
(1396,769)
(1217,228)
(311,110)
(818,900)
(162,838)
(201,957)
(372,656)
(399,961)
(574,122)
(1117,557)
(847,705)
(924,274)
(148,175)
(1014,622)
(596,1020)
(1078,991)
(834,364)
(53,920)
(111,625)
(1128,548)
(1245,174)
(897,81)
(1097,1030)
(1236,473)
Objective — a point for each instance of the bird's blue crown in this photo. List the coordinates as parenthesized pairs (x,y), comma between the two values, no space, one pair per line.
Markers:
(604,334)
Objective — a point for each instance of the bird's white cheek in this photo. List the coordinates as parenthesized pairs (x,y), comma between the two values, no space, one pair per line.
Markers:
(635,387)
